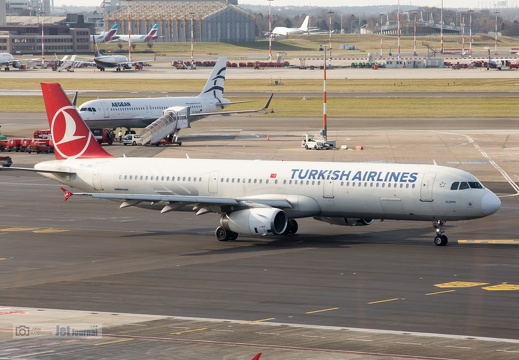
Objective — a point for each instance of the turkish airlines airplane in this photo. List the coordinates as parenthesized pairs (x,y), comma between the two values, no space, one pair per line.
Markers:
(259,198)
(140,112)
(152,35)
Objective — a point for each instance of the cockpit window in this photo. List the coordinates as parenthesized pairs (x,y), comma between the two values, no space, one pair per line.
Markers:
(83,109)
(475,185)
(464,186)
(455,185)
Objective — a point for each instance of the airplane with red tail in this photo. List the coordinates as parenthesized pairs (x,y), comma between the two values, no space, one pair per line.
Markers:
(259,198)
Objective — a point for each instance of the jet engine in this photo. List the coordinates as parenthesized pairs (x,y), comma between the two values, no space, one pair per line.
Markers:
(256,221)
(17,64)
(345,221)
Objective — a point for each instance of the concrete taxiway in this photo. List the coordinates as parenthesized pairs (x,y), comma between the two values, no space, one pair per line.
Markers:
(162,287)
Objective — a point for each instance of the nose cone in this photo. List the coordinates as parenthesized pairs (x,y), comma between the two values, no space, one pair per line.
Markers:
(490,203)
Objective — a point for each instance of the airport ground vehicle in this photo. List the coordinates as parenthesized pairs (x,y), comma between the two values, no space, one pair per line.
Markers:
(132,139)
(41,146)
(3,142)
(309,142)
(103,135)
(5,161)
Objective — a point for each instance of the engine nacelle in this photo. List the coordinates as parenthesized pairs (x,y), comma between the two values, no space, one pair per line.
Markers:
(17,64)
(256,221)
(345,221)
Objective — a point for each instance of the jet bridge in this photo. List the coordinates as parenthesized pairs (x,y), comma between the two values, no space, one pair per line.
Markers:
(172,120)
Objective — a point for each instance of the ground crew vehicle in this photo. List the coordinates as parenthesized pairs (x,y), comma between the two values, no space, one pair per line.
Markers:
(309,142)
(5,161)
(103,135)
(14,144)
(3,142)
(132,139)
(41,146)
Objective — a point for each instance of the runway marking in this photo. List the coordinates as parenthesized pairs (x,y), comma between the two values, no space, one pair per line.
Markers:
(49,231)
(3,259)
(36,353)
(323,310)
(440,292)
(494,164)
(502,287)
(383,301)
(12,229)
(257,321)
(188,331)
(498,242)
(460,284)
(113,342)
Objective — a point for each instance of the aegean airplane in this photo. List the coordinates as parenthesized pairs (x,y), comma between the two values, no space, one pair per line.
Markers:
(258,198)
(141,112)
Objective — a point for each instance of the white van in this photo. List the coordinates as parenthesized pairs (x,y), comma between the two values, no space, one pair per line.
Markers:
(132,139)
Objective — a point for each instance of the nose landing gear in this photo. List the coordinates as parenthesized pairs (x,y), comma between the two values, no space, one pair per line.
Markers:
(440,239)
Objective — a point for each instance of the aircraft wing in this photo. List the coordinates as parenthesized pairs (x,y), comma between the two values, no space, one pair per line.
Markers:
(57,172)
(267,104)
(199,201)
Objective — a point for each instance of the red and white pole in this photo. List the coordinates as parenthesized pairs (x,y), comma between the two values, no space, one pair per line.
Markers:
(325,124)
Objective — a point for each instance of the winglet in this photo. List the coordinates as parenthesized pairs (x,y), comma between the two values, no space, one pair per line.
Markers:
(66,194)
(258,355)
(268,102)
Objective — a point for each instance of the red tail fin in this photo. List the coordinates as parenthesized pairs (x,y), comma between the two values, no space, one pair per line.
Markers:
(72,137)
(257,356)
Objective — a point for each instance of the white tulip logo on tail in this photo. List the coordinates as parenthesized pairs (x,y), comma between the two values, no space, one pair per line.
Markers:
(70,141)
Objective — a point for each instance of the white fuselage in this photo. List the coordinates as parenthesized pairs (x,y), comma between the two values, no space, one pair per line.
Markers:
(6,58)
(140,112)
(373,191)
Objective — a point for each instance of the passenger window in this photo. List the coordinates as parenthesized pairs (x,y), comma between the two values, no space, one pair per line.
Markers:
(455,185)
(464,186)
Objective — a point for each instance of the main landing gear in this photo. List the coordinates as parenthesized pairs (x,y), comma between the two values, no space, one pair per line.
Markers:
(440,239)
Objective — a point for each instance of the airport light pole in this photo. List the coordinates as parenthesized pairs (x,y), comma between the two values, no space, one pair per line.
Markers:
(330,13)
(441,29)
(381,37)
(414,33)
(398,27)
(270,32)
(470,29)
(192,39)
(325,48)
(495,43)
(462,34)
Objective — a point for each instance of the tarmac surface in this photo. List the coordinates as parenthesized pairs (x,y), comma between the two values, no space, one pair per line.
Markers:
(162,287)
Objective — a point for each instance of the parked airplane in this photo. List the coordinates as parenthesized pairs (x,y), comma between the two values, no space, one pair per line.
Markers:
(259,197)
(152,35)
(8,60)
(283,31)
(105,36)
(140,112)
(119,62)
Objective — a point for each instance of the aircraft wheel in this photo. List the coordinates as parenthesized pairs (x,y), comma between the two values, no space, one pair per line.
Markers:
(221,234)
(180,143)
(441,240)
(292,227)
(231,235)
